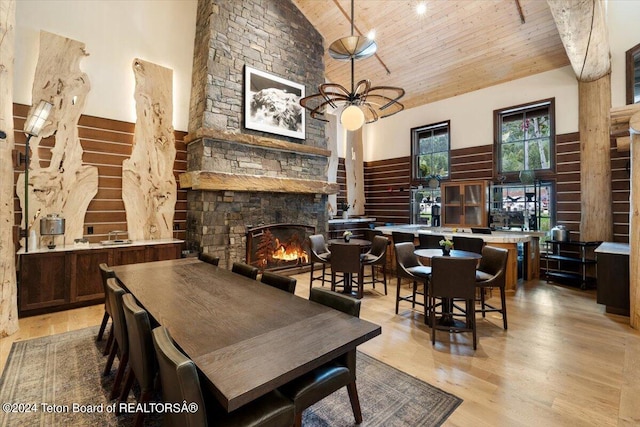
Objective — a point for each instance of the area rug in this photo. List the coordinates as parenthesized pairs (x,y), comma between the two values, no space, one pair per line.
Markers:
(57,380)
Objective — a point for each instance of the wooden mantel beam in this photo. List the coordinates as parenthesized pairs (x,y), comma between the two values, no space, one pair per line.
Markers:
(220,181)
(583,30)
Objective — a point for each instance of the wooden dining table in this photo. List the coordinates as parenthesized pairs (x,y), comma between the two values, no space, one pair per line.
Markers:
(245,337)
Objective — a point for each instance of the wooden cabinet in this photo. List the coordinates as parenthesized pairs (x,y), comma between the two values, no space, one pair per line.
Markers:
(464,204)
(43,274)
(59,280)
(613,277)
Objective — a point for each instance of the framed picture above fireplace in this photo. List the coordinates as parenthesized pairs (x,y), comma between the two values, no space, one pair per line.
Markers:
(272,104)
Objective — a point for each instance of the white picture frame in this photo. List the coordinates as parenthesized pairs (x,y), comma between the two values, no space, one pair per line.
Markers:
(272,104)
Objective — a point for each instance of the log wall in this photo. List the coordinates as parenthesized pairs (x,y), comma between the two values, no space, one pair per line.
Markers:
(106,143)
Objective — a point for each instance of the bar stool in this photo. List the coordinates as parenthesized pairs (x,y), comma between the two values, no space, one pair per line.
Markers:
(408,266)
(319,254)
(377,257)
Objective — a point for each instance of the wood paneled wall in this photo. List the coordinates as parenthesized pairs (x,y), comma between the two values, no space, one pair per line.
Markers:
(387,183)
(106,143)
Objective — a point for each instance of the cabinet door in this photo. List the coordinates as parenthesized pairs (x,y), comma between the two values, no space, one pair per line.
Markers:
(163,252)
(474,209)
(452,205)
(42,281)
(86,281)
(129,255)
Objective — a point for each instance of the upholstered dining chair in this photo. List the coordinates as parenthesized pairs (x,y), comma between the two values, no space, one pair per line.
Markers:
(400,237)
(469,244)
(142,356)
(105,273)
(245,269)
(376,258)
(408,267)
(453,278)
(211,259)
(180,382)
(491,273)
(429,241)
(346,260)
(320,254)
(279,281)
(314,386)
(120,346)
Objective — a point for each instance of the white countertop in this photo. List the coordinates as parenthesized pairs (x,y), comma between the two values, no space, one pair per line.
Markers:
(613,248)
(79,247)
(350,219)
(495,237)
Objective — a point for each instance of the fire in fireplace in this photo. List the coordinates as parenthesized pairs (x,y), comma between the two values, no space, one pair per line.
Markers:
(278,246)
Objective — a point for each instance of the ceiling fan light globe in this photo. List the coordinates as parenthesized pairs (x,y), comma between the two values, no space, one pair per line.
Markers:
(352,118)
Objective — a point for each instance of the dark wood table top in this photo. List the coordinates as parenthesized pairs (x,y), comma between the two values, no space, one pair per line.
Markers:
(429,253)
(359,242)
(247,338)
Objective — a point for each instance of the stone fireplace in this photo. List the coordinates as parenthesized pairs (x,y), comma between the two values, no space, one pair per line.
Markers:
(240,178)
(278,246)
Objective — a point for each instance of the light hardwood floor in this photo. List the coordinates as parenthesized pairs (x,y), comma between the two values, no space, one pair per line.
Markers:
(562,362)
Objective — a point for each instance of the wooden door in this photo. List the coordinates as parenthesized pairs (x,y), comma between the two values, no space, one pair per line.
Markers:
(43,278)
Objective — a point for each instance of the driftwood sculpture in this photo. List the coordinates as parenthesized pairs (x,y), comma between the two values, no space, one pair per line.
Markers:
(8,289)
(65,186)
(148,184)
(354,167)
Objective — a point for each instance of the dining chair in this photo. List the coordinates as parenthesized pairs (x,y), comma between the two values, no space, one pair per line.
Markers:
(314,386)
(106,273)
(142,358)
(491,273)
(120,346)
(453,278)
(400,237)
(286,283)
(376,258)
(370,234)
(211,259)
(245,269)
(469,244)
(409,267)
(429,241)
(181,383)
(346,260)
(319,254)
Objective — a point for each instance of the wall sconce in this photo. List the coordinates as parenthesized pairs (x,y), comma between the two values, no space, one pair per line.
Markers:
(33,126)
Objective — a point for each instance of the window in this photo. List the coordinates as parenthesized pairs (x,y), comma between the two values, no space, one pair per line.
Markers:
(430,152)
(524,138)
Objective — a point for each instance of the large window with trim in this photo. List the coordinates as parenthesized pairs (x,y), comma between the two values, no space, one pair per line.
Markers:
(524,138)
(430,152)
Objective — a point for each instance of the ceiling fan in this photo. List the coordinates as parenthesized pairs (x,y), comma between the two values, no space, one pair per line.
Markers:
(363,104)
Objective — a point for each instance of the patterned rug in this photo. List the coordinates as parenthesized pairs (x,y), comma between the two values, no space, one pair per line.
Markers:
(57,380)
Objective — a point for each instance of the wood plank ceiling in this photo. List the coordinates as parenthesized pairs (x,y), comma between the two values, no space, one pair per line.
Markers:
(454,48)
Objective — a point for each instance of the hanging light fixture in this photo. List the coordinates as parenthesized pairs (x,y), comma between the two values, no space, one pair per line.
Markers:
(363,104)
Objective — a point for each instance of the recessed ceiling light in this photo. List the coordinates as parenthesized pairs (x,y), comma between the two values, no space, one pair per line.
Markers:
(371,35)
(421,8)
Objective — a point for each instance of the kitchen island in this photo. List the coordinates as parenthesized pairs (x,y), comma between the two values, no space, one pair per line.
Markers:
(502,239)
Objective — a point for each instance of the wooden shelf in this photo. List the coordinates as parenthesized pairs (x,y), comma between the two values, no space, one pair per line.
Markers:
(576,270)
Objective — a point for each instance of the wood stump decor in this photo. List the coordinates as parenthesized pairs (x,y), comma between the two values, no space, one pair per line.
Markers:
(63,185)
(8,289)
(148,184)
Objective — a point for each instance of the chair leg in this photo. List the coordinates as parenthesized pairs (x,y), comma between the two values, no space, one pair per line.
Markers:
(482,303)
(503,300)
(361,282)
(472,311)
(427,307)
(138,419)
(112,355)
(311,277)
(373,275)
(103,325)
(398,294)
(128,382)
(415,289)
(298,420)
(355,402)
(119,374)
(384,277)
(432,319)
(333,281)
(324,269)
(110,340)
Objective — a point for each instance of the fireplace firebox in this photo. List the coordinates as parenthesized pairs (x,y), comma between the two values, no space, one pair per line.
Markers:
(279,246)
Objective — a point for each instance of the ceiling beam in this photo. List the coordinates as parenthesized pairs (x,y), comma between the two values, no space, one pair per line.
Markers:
(583,30)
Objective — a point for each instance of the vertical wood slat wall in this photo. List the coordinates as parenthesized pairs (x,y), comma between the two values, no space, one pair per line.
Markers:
(387,183)
(106,144)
